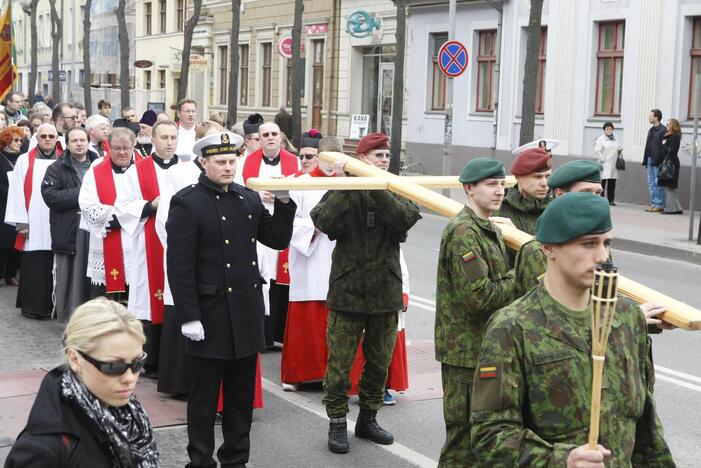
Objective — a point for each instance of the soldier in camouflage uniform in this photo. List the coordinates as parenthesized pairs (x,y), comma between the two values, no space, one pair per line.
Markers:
(532,388)
(473,281)
(365,293)
(525,201)
(574,176)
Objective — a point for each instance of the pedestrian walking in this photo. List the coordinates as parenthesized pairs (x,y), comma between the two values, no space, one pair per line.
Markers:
(607,149)
(213,272)
(532,388)
(670,151)
(652,158)
(473,281)
(85,413)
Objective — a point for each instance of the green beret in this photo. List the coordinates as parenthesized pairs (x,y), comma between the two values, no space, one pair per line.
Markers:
(482,168)
(575,171)
(573,215)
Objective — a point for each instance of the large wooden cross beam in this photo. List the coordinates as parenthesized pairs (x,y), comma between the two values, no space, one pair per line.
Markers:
(369,177)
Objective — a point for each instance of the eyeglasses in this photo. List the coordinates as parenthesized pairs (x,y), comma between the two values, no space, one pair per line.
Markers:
(70,117)
(47,137)
(116,368)
(383,155)
(307,156)
(266,135)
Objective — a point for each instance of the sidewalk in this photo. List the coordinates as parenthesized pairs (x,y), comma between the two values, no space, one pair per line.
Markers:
(638,231)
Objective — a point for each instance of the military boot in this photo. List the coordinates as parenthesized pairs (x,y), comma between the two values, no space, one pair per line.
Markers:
(367,428)
(338,436)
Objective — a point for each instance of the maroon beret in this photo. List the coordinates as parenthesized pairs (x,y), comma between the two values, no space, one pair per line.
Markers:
(530,161)
(372,141)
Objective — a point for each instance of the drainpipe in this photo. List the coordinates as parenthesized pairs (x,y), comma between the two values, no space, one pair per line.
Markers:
(497,66)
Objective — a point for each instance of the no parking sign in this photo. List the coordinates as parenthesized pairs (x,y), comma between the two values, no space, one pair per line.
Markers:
(452,59)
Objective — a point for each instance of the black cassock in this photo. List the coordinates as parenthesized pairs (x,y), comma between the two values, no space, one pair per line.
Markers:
(214,277)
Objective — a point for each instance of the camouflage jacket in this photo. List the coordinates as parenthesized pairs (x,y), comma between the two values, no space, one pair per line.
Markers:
(532,393)
(368,227)
(523,210)
(473,281)
(529,266)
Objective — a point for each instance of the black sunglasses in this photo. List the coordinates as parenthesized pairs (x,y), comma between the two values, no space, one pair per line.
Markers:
(307,156)
(116,368)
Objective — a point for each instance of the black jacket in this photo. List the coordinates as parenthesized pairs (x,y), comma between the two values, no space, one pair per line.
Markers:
(653,145)
(41,444)
(7,232)
(60,190)
(213,264)
(670,150)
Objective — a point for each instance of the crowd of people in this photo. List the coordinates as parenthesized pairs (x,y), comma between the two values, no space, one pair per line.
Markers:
(141,236)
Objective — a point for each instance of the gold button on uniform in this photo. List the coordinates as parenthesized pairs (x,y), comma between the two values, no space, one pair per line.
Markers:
(253,263)
(230,289)
(250,216)
(253,239)
(226,241)
(217,197)
(255,285)
(223,218)
(240,197)
(228,265)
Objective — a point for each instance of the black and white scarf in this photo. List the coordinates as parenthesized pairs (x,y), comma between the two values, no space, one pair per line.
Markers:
(126,429)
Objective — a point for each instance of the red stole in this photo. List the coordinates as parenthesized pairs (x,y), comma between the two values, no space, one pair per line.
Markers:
(28,179)
(105,148)
(112,244)
(148,182)
(289,164)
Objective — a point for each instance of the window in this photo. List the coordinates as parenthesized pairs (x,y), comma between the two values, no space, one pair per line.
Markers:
(162,14)
(243,75)
(223,73)
(266,73)
(161,79)
(288,78)
(438,79)
(147,18)
(695,62)
(180,15)
(486,60)
(317,81)
(147,79)
(542,49)
(609,68)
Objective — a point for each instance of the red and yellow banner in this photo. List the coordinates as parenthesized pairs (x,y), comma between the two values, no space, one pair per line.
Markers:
(8,70)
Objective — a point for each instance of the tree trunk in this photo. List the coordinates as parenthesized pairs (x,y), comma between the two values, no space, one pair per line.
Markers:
(187,45)
(297,74)
(398,89)
(232,99)
(56,35)
(31,10)
(120,13)
(530,75)
(87,81)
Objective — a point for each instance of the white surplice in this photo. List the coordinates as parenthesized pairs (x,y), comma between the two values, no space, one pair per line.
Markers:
(186,141)
(95,217)
(128,212)
(38,215)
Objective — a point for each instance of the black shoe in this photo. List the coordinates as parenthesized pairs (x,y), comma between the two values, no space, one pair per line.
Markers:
(338,437)
(612,204)
(367,428)
(671,212)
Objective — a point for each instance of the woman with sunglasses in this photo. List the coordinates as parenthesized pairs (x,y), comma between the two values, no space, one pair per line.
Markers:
(85,414)
(10,148)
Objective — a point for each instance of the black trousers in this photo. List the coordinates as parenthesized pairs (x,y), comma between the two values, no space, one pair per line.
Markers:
(609,186)
(9,263)
(238,378)
(276,321)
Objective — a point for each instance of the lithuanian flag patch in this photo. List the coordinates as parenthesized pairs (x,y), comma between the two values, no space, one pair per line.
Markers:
(487,372)
(469,256)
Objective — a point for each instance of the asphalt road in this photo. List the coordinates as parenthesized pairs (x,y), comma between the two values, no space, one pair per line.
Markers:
(291,430)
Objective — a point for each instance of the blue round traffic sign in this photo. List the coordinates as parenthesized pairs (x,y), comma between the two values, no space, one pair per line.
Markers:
(452,59)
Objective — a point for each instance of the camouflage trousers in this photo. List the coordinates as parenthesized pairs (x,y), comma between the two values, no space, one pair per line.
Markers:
(343,334)
(457,388)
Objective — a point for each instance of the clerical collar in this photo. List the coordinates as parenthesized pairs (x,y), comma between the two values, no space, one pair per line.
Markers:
(119,169)
(51,155)
(272,162)
(165,163)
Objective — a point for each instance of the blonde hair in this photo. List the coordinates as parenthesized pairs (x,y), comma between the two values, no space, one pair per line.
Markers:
(206,126)
(96,319)
(286,144)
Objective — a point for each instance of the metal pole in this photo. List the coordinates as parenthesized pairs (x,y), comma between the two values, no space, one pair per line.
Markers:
(497,72)
(697,91)
(448,129)
(74,78)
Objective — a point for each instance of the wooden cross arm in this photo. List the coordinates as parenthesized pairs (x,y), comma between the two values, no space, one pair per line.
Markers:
(352,183)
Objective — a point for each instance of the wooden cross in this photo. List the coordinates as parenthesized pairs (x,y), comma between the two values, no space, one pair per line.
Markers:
(114,273)
(678,313)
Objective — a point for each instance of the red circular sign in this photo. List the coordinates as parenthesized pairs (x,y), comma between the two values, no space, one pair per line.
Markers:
(284,46)
(453,59)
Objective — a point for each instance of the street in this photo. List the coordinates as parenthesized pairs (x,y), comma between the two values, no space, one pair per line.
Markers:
(291,429)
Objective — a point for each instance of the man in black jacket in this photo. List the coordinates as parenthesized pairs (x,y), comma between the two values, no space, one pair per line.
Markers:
(212,231)
(60,189)
(652,158)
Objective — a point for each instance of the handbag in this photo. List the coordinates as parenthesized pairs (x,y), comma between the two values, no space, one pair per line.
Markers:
(620,163)
(666,171)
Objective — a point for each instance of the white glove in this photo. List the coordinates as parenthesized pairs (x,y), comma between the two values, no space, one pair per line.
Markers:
(193,330)
(282,195)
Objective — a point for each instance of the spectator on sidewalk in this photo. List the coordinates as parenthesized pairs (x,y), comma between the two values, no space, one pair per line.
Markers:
(85,412)
(13,103)
(104,108)
(652,158)
(284,121)
(10,143)
(606,151)
(670,150)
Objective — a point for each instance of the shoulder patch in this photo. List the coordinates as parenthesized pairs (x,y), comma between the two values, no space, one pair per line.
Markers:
(487,391)
(487,372)
(468,256)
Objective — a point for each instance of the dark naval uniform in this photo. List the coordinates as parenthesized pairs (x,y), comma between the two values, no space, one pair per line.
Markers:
(214,278)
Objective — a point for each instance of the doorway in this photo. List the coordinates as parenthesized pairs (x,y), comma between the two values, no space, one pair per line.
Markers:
(378,85)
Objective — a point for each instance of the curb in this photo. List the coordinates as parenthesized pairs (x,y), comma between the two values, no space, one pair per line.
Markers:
(656,250)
